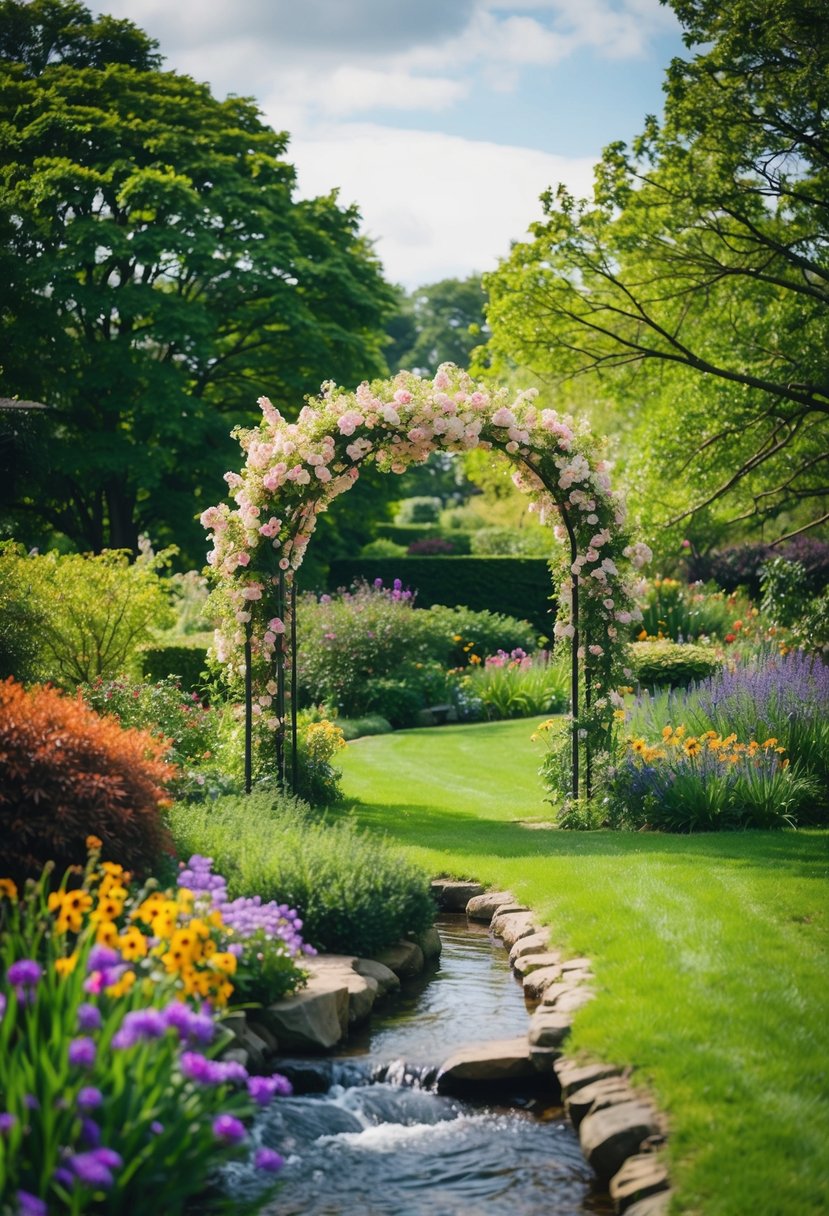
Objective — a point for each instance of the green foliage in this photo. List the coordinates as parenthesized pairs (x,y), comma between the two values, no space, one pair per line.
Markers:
(351,645)
(158,273)
(783,588)
(66,773)
(692,285)
(185,663)
(511,687)
(318,741)
(439,323)
(519,587)
(528,542)
(671,609)
(358,728)
(418,510)
(382,548)
(71,618)
(354,893)
(671,663)
(462,632)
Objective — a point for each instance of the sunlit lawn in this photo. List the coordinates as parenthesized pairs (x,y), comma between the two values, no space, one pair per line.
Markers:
(710,952)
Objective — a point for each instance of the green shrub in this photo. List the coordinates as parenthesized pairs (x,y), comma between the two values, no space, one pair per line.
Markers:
(70,618)
(519,587)
(184,663)
(421,509)
(518,542)
(463,632)
(318,741)
(359,728)
(671,663)
(512,686)
(382,548)
(681,613)
(354,893)
(394,700)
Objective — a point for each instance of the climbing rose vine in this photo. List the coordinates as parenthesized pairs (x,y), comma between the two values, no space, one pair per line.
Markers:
(294,470)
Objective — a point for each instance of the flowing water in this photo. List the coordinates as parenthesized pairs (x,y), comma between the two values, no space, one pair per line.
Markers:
(364,1135)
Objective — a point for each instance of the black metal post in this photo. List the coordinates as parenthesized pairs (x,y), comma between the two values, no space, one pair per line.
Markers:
(574,662)
(280,683)
(294,741)
(588,778)
(248,712)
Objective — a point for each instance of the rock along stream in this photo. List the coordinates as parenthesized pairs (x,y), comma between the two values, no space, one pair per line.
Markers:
(364,1134)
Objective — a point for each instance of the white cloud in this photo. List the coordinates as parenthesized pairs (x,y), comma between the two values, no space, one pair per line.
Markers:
(353,90)
(437,206)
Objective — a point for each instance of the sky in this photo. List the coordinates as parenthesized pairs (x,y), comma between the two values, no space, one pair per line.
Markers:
(441,120)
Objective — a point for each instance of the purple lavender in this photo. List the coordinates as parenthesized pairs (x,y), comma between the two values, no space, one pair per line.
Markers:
(30,1205)
(199,1068)
(139,1024)
(7,1122)
(90,1098)
(246,915)
(95,1167)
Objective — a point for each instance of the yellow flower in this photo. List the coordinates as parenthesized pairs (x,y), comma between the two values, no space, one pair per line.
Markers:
(112,869)
(457,637)
(667,731)
(769,743)
(93,843)
(123,986)
(65,966)
(619,715)
(224,962)
(638,746)
(132,944)
(8,889)
(107,933)
(692,747)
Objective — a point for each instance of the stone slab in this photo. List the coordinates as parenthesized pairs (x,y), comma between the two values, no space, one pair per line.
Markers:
(363,990)
(572,999)
(572,1075)
(430,943)
(601,1094)
(654,1205)
(387,981)
(491,1063)
(482,907)
(548,1028)
(403,958)
(452,895)
(639,1178)
(525,963)
(537,982)
(610,1136)
(313,1019)
(534,943)
(510,926)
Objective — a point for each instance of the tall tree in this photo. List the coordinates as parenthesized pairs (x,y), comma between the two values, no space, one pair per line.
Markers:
(160,276)
(696,280)
(439,323)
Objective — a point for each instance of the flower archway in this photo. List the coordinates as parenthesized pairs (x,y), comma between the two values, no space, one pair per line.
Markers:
(294,470)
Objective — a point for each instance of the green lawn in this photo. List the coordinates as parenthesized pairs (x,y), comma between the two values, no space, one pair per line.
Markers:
(710,952)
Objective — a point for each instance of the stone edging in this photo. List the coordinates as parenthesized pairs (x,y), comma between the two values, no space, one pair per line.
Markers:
(618,1128)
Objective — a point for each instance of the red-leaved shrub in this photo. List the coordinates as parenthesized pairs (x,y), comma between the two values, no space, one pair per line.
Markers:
(65,774)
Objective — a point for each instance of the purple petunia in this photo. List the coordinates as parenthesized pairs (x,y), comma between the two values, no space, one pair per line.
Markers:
(269,1160)
(82,1052)
(228,1129)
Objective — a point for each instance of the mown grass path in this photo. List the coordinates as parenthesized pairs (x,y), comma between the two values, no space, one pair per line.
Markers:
(710,952)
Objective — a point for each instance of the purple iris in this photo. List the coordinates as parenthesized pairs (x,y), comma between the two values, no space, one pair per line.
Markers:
(263,1089)
(89,1017)
(95,1167)
(269,1160)
(228,1129)
(82,1052)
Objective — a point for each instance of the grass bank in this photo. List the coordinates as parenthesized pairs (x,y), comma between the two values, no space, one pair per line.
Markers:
(710,952)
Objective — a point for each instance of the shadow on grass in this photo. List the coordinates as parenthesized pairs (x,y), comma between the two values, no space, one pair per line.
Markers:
(803,854)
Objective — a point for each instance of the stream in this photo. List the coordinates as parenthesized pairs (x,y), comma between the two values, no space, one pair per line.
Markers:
(365,1135)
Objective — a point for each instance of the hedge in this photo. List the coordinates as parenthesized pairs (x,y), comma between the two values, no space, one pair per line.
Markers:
(515,586)
(186,662)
